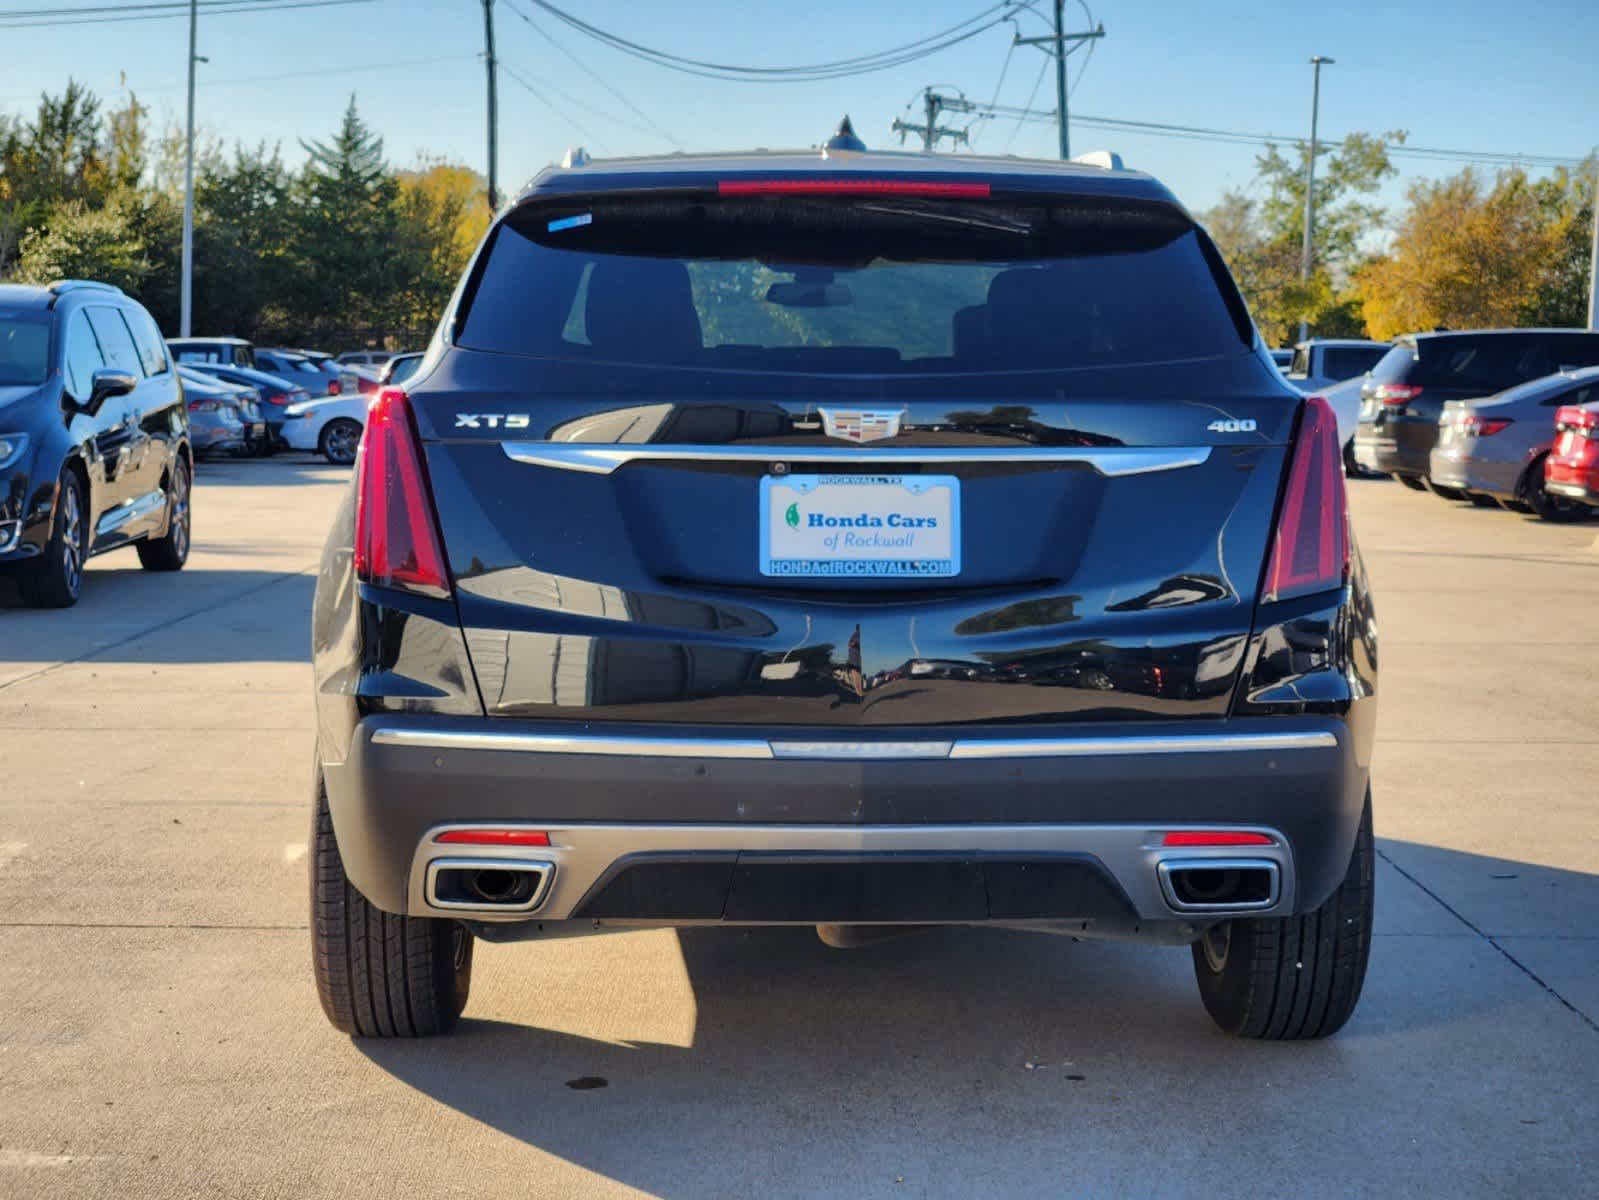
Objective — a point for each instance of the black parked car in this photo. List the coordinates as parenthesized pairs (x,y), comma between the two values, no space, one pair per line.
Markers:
(94,438)
(1405,393)
(628,616)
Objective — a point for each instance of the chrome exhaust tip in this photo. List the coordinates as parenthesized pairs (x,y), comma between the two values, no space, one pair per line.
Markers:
(1219,885)
(497,885)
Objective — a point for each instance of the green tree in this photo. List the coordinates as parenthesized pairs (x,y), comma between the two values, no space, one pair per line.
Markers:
(57,158)
(1565,200)
(79,242)
(347,229)
(1261,239)
(246,226)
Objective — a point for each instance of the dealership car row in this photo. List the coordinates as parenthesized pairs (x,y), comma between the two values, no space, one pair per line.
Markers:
(1506,417)
(285,399)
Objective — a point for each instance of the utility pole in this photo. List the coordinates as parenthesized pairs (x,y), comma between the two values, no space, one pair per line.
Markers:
(1593,262)
(1057,43)
(494,107)
(1306,247)
(934,103)
(186,287)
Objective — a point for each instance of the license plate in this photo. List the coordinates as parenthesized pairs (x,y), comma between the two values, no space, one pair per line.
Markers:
(889,526)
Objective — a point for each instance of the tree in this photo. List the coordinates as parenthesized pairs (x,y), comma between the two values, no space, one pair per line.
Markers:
(1566,200)
(1465,257)
(56,159)
(347,229)
(79,242)
(1261,240)
(443,215)
(246,224)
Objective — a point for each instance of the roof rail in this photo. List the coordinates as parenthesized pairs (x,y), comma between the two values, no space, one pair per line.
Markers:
(1108,159)
(72,285)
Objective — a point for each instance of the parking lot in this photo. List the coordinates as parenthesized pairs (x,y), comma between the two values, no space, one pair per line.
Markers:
(160,1034)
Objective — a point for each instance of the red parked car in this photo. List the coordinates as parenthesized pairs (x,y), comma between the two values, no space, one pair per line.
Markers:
(1572,468)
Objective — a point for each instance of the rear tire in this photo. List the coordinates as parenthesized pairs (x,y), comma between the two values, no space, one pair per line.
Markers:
(1292,978)
(1412,482)
(1549,508)
(170,552)
(378,974)
(55,579)
(339,441)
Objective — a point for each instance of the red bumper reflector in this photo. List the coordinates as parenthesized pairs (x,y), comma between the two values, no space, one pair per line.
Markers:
(495,837)
(1215,837)
(852,187)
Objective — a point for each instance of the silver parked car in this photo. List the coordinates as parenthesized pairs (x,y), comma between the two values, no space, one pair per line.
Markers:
(1495,448)
(222,416)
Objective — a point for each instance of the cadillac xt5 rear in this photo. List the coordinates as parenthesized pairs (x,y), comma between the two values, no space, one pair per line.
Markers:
(859,541)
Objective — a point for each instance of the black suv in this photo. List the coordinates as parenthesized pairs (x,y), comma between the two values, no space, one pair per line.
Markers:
(1405,393)
(94,438)
(855,540)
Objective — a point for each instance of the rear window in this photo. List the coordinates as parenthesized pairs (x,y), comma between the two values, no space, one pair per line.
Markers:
(1345,362)
(24,347)
(1486,364)
(879,286)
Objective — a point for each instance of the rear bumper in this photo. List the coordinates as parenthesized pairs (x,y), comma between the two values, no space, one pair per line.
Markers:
(746,826)
(1387,457)
(1451,468)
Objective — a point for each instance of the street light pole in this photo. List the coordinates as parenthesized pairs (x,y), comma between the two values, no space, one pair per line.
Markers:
(1306,247)
(494,107)
(186,301)
(1593,262)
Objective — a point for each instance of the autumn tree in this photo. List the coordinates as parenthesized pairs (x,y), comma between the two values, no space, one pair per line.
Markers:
(1468,256)
(1261,239)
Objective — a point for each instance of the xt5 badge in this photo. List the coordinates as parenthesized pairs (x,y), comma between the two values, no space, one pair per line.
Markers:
(492,420)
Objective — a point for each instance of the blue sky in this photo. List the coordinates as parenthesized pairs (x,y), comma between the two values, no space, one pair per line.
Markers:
(1454,73)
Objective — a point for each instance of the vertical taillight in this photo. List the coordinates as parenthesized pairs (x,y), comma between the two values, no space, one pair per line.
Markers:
(396,537)
(1310,549)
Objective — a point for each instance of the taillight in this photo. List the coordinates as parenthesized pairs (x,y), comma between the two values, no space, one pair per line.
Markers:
(494,837)
(278,398)
(1310,549)
(1396,394)
(852,187)
(333,387)
(396,536)
(1577,420)
(1482,426)
(205,406)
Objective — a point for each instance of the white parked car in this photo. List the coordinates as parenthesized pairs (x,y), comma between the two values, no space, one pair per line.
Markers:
(332,427)
(1321,362)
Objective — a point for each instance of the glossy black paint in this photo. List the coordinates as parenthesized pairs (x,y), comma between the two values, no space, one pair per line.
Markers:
(1087,604)
(122,449)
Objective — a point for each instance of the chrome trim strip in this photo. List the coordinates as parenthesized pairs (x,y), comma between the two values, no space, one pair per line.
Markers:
(1137,744)
(603,459)
(759,748)
(861,750)
(1166,866)
(558,743)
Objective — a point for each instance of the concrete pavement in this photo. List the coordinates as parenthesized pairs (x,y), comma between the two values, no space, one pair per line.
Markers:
(160,1036)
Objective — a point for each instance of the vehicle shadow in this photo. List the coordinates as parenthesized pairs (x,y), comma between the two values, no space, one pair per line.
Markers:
(279,469)
(127,615)
(799,1058)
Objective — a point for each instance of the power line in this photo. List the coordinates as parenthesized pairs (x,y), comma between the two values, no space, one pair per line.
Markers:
(1239,137)
(650,121)
(813,72)
(550,104)
(220,8)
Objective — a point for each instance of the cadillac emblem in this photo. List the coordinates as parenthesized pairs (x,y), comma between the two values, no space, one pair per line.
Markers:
(861,424)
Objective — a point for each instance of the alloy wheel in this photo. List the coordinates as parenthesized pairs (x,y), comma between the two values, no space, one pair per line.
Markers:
(71,539)
(179,505)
